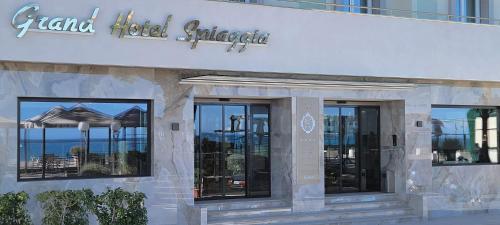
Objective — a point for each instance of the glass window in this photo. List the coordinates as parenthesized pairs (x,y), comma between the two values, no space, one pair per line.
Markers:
(471,11)
(356,6)
(464,135)
(68,138)
(232,150)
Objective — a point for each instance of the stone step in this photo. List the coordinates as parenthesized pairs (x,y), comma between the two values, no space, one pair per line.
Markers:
(377,220)
(365,205)
(239,204)
(250,212)
(287,210)
(363,197)
(322,217)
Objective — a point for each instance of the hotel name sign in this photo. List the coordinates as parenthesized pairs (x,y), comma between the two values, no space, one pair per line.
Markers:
(28,19)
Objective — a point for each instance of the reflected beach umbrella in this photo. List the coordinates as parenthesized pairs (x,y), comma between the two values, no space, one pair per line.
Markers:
(115,129)
(84,128)
(133,118)
(60,116)
(79,116)
(437,127)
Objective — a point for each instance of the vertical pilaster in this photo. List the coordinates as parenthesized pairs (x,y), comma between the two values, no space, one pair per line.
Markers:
(307,154)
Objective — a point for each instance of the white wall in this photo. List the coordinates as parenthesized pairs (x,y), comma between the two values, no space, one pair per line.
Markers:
(302,41)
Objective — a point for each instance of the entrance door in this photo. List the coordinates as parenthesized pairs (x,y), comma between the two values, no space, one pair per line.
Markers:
(352,151)
(231,151)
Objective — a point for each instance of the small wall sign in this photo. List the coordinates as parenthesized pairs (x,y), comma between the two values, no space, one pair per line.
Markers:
(27,19)
(308,123)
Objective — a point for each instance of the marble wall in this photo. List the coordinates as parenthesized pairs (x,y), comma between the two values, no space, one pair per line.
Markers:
(172,155)
(169,190)
(418,144)
(464,189)
(392,120)
(281,145)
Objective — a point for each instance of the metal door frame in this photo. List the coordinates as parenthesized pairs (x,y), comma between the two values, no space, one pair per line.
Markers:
(357,108)
(248,146)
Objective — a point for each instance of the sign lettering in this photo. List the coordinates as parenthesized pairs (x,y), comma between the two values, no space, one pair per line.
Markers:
(195,34)
(27,19)
(129,28)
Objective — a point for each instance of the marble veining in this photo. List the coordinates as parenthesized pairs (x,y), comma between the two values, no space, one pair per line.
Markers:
(169,191)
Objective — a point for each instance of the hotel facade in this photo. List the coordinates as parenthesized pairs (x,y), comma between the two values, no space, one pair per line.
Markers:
(255,111)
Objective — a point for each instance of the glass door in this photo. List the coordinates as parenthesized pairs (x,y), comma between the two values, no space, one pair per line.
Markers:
(333,158)
(208,151)
(234,151)
(352,156)
(369,163)
(231,151)
(349,149)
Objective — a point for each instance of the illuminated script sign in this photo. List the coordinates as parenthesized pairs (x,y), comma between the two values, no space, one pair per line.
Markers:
(195,34)
(27,19)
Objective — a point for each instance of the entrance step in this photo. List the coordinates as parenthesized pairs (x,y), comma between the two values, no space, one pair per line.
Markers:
(240,204)
(365,205)
(252,213)
(360,197)
(368,209)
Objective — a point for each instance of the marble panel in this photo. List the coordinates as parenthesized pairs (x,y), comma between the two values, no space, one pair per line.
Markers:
(308,159)
(470,188)
(172,151)
(170,196)
(281,149)
(392,158)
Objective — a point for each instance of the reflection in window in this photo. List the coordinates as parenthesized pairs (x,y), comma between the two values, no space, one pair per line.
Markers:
(471,11)
(69,139)
(232,150)
(464,135)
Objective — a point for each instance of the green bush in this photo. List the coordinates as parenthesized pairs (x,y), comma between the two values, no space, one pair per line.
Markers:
(66,207)
(119,207)
(94,170)
(13,209)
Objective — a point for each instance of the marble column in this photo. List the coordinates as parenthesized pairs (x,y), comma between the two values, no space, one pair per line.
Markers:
(307,154)
(392,152)
(418,141)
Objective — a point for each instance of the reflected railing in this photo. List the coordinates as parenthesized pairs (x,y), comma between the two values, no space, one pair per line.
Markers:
(406,13)
(61,159)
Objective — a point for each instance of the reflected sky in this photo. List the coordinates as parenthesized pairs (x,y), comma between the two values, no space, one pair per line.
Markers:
(454,120)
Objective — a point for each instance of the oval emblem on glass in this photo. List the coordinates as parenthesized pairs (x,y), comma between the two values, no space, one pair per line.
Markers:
(308,123)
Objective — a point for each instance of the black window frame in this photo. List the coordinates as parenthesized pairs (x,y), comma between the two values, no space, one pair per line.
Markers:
(434,106)
(248,147)
(149,146)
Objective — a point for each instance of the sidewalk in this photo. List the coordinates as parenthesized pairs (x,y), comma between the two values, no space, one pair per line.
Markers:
(475,219)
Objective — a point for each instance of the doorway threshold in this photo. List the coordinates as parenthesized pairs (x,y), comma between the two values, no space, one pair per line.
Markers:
(241,203)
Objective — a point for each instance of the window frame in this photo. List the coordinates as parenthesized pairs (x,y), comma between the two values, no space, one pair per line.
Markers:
(150,139)
(248,103)
(433,106)
(460,9)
